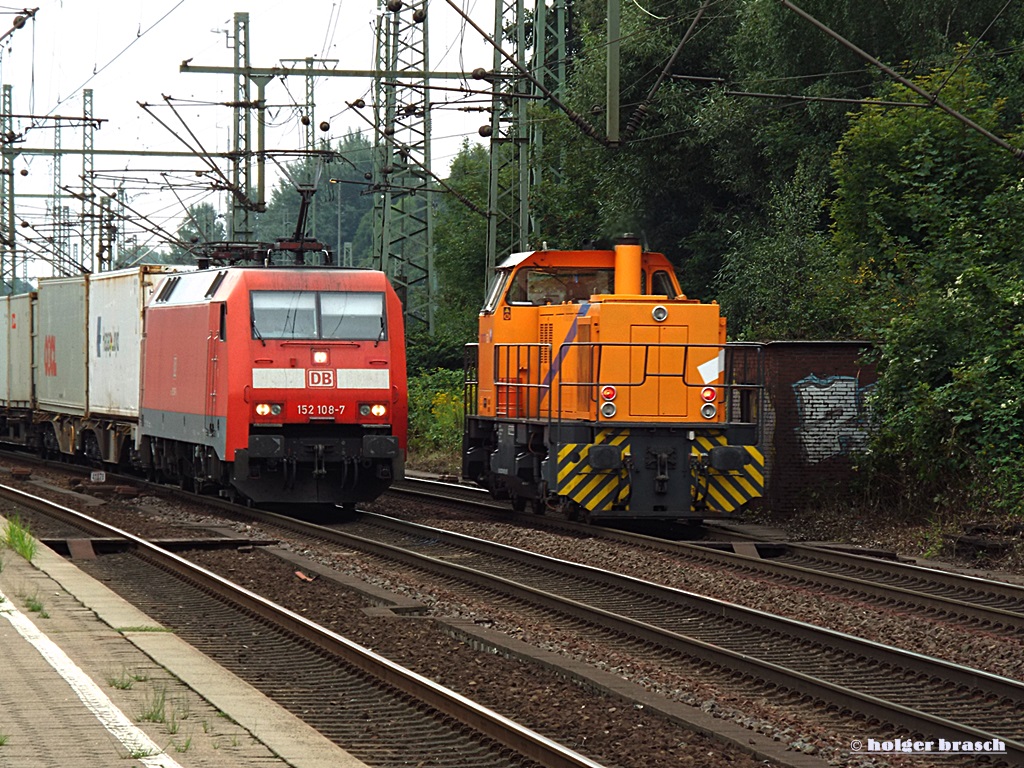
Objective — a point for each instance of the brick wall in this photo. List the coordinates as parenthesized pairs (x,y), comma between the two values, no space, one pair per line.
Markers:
(814,418)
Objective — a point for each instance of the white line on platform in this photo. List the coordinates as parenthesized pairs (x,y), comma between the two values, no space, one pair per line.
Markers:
(138,744)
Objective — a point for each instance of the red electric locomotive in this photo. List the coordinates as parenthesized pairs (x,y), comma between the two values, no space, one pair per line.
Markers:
(283,386)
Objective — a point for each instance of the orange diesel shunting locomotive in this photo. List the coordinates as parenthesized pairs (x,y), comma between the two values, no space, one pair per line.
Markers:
(601,389)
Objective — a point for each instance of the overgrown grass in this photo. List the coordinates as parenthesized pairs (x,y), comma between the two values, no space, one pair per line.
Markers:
(18,537)
(125,680)
(144,628)
(155,709)
(35,605)
(182,710)
(436,412)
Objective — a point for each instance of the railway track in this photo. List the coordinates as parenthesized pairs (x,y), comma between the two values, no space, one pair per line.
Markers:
(993,606)
(848,678)
(907,690)
(381,712)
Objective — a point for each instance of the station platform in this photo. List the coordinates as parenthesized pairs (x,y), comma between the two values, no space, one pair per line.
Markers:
(88,680)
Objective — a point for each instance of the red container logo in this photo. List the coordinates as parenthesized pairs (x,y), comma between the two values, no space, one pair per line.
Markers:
(50,356)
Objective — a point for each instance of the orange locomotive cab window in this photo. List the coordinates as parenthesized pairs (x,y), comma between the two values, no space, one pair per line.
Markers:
(540,286)
(497,289)
(661,285)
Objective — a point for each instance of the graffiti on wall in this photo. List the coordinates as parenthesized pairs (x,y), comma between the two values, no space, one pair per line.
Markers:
(832,416)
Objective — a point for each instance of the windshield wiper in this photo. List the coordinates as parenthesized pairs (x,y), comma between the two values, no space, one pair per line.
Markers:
(256,331)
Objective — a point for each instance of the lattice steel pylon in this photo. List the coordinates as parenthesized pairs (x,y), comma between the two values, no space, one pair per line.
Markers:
(516,144)
(8,254)
(403,221)
(240,227)
(61,246)
(509,183)
(548,67)
(90,209)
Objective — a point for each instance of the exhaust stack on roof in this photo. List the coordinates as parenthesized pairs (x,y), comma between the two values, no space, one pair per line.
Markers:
(628,265)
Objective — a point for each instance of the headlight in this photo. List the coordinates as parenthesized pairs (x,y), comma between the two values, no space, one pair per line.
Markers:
(608,409)
(372,409)
(708,410)
(378,409)
(268,409)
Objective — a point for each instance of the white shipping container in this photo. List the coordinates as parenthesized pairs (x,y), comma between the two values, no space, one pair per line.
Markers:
(116,303)
(5,351)
(17,351)
(60,344)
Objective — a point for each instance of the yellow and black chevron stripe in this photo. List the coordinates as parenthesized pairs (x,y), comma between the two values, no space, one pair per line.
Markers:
(726,492)
(600,490)
(597,490)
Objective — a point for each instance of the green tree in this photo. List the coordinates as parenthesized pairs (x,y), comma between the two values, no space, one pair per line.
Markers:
(339,211)
(706,171)
(781,280)
(906,179)
(202,225)
(460,244)
(925,229)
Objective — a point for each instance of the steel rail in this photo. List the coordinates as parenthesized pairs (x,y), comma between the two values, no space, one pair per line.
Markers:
(481,719)
(880,586)
(867,704)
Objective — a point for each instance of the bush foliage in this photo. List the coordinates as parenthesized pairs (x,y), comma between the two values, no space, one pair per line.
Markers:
(436,411)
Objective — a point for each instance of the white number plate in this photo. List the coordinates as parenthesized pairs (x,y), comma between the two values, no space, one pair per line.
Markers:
(320,410)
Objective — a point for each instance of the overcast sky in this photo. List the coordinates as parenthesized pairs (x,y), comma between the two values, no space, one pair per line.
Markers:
(130,51)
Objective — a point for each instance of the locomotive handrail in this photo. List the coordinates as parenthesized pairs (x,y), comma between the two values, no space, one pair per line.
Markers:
(512,388)
(512,355)
(520,391)
(470,378)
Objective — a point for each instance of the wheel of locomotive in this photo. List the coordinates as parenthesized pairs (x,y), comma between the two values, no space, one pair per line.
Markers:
(539,506)
(185,480)
(577,512)
(199,474)
(518,503)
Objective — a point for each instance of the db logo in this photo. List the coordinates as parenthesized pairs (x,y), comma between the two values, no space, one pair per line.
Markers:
(320,378)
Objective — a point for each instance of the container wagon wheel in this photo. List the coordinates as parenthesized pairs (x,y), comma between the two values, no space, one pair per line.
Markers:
(91,449)
(48,447)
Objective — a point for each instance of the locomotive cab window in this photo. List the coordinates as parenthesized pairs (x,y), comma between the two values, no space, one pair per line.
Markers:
(554,286)
(497,289)
(347,315)
(661,285)
(284,314)
(338,315)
